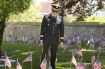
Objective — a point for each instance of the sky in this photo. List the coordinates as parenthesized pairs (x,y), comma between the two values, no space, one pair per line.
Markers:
(101,13)
(39,1)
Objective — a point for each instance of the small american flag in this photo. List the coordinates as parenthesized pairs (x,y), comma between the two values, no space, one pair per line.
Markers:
(78,41)
(31,40)
(43,64)
(92,38)
(91,45)
(103,42)
(9,37)
(80,65)
(93,59)
(98,39)
(78,38)
(99,48)
(85,38)
(49,54)
(7,62)
(74,50)
(97,64)
(88,42)
(69,40)
(18,66)
(29,58)
(74,38)
(73,60)
(79,52)
(65,45)
(25,38)
(14,40)
(50,67)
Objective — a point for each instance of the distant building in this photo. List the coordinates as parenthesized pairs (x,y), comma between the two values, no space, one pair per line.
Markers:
(45,6)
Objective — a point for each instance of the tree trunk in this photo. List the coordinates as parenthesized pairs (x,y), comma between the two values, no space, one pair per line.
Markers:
(2,27)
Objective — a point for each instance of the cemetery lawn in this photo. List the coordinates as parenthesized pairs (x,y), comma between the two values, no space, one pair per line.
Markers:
(22,50)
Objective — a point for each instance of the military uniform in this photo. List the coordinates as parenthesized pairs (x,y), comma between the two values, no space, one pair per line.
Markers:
(52,29)
(52,32)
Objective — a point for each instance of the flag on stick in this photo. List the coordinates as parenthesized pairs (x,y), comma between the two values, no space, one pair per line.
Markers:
(74,38)
(43,64)
(69,40)
(91,45)
(73,60)
(79,52)
(18,65)
(100,48)
(29,58)
(74,50)
(97,64)
(65,46)
(49,54)
(78,41)
(31,40)
(50,67)
(9,37)
(7,62)
(85,38)
(80,65)
(14,40)
(25,38)
(98,39)
(93,59)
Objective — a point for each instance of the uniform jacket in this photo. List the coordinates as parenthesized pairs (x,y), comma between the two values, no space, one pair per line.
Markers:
(52,29)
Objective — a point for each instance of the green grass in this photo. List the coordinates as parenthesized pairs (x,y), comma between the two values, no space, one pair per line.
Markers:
(21,50)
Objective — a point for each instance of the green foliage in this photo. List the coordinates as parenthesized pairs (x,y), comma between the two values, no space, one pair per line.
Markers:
(91,19)
(30,15)
(8,7)
(94,19)
(73,19)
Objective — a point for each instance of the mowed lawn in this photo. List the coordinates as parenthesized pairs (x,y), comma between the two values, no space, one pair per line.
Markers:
(21,50)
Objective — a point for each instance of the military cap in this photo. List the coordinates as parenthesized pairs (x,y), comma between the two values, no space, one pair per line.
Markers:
(55,4)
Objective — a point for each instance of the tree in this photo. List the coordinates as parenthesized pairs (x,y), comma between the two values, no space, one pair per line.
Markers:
(81,8)
(30,15)
(7,8)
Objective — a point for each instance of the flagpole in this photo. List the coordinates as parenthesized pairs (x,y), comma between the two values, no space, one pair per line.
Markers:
(85,64)
(81,58)
(70,65)
(78,55)
(31,61)
(5,66)
(90,52)
(5,54)
(17,62)
(79,48)
(17,59)
(98,54)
